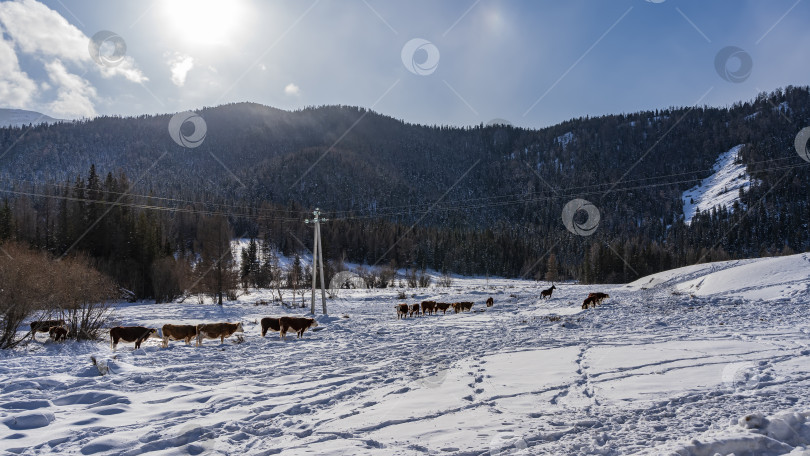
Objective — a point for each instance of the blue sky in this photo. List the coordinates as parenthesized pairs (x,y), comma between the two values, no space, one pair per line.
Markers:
(531,62)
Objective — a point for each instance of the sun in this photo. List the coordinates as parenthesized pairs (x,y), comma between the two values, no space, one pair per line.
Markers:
(204,22)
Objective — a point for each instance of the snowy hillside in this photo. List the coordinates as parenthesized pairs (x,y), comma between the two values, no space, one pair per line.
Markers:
(20,118)
(720,189)
(701,360)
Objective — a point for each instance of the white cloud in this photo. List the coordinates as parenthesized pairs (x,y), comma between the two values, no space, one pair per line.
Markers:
(38,31)
(127,69)
(292,90)
(16,88)
(180,65)
(74,94)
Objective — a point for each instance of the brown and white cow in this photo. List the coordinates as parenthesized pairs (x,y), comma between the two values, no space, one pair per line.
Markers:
(58,333)
(428,307)
(298,324)
(217,331)
(178,332)
(135,334)
(490,302)
(443,306)
(402,310)
(272,324)
(44,326)
(414,310)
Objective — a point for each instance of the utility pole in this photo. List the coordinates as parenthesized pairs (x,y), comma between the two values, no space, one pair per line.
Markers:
(317,259)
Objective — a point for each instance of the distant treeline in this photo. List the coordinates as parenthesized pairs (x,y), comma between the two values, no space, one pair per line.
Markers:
(503,218)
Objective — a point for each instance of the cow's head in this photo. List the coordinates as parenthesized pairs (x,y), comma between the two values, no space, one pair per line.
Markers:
(154,333)
(314,323)
(239,327)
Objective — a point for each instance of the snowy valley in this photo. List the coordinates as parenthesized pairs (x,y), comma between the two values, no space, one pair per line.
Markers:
(707,359)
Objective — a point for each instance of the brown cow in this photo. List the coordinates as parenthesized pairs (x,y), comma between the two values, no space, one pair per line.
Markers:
(178,332)
(402,311)
(58,333)
(588,302)
(546,294)
(443,306)
(414,310)
(217,331)
(456,307)
(298,324)
(271,324)
(135,334)
(490,302)
(428,307)
(44,326)
(466,306)
(599,297)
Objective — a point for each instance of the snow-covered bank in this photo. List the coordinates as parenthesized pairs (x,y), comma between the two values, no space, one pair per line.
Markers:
(664,366)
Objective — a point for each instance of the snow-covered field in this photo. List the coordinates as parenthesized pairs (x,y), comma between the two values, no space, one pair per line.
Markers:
(704,360)
(720,189)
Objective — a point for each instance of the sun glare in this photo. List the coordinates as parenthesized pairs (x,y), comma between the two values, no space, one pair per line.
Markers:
(204,22)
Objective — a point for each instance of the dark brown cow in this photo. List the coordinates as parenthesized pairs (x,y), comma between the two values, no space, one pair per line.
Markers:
(298,324)
(428,307)
(178,332)
(456,307)
(58,333)
(402,310)
(135,334)
(490,302)
(443,306)
(466,306)
(272,324)
(414,310)
(44,326)
(599,297)
(217,331)
(546,294)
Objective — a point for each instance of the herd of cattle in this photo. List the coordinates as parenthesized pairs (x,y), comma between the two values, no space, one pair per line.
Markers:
(137,334)
(432,307)
(57,331)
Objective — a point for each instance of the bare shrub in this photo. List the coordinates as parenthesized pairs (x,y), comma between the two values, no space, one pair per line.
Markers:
(445,280)
(32,282)
(424,279)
